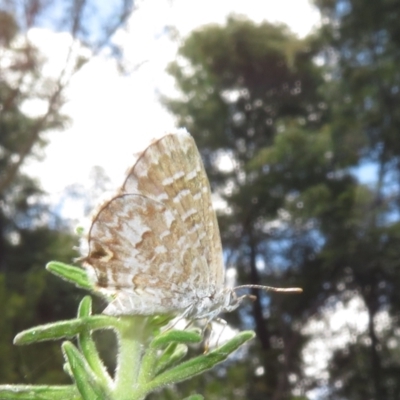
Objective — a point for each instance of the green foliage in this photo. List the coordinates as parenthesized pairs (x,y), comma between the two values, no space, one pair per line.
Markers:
(297,137)
(364,40)
(18,311)
(250,93)
(30,296)
(148,357)
(30,234)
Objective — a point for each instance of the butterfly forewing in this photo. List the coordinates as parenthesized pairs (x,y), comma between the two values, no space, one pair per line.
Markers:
(173,173)
(156,245)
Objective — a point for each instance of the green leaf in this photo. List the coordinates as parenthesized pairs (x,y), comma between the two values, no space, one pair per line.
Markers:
(172,354)
(64,329)
(85,307)
(87,382)
(42,392)
(200,364)
(88,346)
(147,367)
(75,275)
(179,336)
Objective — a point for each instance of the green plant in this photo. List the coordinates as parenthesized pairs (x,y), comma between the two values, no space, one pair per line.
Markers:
(149,357)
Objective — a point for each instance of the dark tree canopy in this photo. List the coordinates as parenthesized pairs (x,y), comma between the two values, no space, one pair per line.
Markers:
(296,134)
(31,234)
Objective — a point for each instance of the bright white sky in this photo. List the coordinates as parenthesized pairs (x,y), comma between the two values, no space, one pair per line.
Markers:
(114,116)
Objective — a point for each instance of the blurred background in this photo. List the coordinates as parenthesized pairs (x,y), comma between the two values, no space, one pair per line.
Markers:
(295,108)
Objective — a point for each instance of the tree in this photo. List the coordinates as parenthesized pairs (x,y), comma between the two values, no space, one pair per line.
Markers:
(295,210)
(24,68)
(362,46)
(30,233)
(251,98)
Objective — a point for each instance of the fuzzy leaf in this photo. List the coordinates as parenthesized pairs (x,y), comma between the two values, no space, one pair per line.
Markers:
(88,346)
(70,273)
(172,354)
(64,329)
(42,392)
(88,384)
(176,336)
(202,363)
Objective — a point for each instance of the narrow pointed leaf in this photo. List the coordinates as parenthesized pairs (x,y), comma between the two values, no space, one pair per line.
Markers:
(147,367)
(176,336)
(200,364)
(64,329)
(70,273)
(172,354)
(42,392)
(88,384)
(88,346)
(85,307)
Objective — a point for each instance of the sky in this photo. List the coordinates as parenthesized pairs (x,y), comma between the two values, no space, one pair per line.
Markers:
(112,115)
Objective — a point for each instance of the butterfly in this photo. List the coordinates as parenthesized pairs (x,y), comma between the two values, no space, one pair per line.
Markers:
(155,246)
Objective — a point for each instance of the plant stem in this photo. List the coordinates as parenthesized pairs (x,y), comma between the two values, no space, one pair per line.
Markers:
(133,337)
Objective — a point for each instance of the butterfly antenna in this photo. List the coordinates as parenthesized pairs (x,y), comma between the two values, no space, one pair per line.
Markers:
(269,288)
